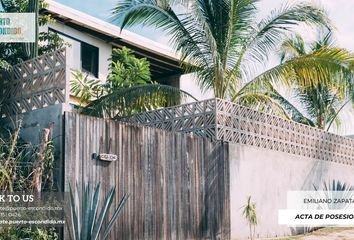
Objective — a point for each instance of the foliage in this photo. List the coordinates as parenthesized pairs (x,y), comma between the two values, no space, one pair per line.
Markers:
(16,168)
(17,159)
(86,218)
(336,185)
(14,53)
(15,233)
(320,102)
(141,98)
(11,154)
(249,212)
(86,89)
(128,90)
(49,160)
(127,70)
(335,189)
(225,43)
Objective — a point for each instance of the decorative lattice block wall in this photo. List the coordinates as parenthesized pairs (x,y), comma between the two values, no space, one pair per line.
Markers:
(34,84)
(223,120)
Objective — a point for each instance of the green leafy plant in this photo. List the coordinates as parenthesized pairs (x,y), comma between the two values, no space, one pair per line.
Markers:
(86,89)
(127,70)
(128,101)
(129,89)
(250,214)
(86,218)
(34,233)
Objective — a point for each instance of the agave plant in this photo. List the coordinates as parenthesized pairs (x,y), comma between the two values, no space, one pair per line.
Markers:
(335,189)
(87,220)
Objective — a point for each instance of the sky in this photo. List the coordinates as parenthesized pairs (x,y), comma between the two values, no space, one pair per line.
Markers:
(340,12)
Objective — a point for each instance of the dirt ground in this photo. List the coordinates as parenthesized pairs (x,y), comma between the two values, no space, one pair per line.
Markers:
(340,235)
(325,234)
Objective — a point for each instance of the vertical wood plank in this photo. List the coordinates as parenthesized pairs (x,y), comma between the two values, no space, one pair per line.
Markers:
(178,184)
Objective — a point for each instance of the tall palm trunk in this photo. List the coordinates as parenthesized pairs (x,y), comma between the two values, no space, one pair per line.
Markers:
(219,85)
(321,121)
(251,235)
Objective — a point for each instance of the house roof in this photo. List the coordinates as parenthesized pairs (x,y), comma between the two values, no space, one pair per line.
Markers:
(164,62)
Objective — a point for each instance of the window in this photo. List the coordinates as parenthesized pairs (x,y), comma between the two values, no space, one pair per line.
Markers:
(89,59)
(83,56)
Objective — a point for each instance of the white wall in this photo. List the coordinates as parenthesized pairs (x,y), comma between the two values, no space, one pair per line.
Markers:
(105,49)
(266,176)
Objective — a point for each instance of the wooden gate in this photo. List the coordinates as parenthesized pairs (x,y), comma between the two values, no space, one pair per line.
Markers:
(178,184)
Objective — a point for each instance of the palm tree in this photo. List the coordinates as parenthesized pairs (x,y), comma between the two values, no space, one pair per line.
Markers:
(250,213)
(223,42)
(321,102)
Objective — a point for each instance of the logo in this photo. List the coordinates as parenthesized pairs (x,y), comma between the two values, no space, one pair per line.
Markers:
(17,27)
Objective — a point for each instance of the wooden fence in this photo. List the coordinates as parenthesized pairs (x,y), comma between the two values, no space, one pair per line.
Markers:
(178,183)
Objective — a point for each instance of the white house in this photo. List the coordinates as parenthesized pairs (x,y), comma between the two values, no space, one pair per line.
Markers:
(91,41)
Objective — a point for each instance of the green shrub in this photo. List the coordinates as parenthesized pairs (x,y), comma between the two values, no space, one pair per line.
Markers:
(16,168)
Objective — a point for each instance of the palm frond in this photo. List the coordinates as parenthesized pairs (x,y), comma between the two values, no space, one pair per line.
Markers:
(180,27)
(270,31)
(334,64)
(135,99)
(292,47)
(294,113)
(323,98)
(325,39)
(264,103)
(271,101)
(266,36)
